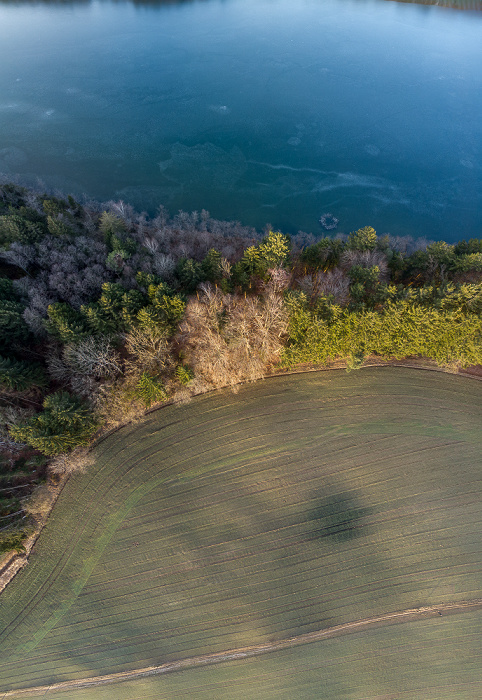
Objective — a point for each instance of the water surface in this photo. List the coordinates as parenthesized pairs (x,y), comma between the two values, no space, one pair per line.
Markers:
(260,110)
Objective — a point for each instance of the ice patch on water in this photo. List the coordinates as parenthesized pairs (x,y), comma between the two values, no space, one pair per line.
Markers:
(389,201)
(220,109)
(340,180)
(296,139)
(467,163)
(281,166)
(333,179)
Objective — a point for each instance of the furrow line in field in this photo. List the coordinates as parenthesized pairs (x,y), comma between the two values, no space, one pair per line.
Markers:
(244,613)
(111,576)
(65,557)
(408,615)
(310,577)
(391,516)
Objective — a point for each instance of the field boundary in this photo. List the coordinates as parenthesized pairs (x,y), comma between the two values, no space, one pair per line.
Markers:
(407,615)
(12,562)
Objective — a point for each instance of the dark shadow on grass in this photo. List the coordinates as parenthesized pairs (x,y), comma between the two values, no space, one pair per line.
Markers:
(338,516)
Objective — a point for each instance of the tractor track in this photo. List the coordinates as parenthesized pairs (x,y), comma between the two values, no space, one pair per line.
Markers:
(407,615)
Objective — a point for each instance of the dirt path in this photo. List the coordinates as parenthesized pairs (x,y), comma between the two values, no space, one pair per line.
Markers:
(409,615)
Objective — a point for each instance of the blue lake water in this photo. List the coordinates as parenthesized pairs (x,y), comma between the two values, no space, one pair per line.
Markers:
(258,110)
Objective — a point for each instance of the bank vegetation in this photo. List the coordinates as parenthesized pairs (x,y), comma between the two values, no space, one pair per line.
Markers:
(105,313)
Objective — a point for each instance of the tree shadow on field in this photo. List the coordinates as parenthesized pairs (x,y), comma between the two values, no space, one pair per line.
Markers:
(338,516)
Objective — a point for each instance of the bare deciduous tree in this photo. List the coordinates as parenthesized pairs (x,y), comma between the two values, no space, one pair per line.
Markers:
(365,258)
(76,461)
(230,338)
(10,416)
(334,283)
(148,349)
(164,265)
(116,404)
(94,356)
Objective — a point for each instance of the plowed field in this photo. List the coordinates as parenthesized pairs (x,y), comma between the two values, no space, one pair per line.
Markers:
(300,503)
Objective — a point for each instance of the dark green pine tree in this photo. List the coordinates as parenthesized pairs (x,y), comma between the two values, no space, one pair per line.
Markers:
(19,375)
(65,423)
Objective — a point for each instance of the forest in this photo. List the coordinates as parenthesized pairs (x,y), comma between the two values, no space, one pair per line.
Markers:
(105,313)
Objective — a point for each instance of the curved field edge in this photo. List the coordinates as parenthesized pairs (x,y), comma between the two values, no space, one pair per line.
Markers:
(12,562)
(435,658)
(230,459)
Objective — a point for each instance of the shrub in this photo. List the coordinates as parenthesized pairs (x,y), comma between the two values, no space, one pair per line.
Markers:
(117,403)
(184,374)
(355,361)
(13,540)
(150,389)
(39,503)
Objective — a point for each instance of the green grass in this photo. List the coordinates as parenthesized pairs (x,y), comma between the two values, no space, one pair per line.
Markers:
(429,660)
(299,503)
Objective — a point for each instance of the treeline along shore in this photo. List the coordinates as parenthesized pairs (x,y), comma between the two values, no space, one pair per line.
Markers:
(105,312)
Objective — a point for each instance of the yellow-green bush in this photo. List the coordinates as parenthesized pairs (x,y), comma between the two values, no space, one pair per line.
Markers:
(399,331)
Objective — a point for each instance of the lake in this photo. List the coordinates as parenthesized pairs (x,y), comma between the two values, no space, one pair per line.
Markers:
(274,111)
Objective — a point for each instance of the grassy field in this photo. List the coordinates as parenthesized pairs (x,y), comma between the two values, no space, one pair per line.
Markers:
(430,660)
(301,502)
